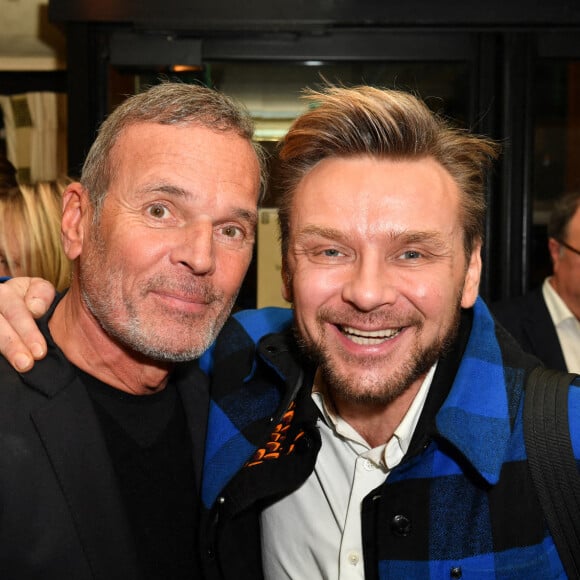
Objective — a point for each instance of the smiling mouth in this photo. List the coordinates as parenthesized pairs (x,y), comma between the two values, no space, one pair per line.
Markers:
(369,337)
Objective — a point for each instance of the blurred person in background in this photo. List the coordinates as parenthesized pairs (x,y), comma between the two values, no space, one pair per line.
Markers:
(545,321)
(30,243)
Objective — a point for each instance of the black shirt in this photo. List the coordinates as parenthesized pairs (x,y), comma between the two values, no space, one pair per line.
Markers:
(151,451)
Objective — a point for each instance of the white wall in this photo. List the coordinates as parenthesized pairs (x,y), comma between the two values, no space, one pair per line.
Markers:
(27,40)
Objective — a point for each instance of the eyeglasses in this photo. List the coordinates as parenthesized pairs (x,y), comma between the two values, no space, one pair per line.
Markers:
(568,247)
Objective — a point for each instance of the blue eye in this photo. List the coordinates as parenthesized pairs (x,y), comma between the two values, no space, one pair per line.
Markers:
(411,255)
(331,253)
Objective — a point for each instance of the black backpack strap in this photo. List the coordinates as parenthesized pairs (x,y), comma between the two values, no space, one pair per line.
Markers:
(551,460)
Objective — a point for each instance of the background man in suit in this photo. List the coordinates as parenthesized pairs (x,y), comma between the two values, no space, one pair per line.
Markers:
(102,441)
(546,320)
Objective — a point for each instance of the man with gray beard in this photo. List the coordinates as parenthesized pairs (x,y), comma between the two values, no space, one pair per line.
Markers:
(102,441)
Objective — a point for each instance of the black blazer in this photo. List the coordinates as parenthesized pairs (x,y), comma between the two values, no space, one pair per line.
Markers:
(61,513)
(528,320)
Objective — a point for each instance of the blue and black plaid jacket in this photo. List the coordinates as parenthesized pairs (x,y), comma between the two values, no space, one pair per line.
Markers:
(460,505)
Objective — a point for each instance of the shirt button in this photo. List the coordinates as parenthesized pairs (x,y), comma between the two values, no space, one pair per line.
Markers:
(369,465)
(353,558)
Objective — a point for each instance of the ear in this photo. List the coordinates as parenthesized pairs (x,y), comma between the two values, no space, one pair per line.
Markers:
(554,248)
(75,216)
(286,282)
(472,278)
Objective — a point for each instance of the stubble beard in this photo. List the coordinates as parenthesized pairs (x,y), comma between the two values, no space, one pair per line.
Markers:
(120,319)
(363,390)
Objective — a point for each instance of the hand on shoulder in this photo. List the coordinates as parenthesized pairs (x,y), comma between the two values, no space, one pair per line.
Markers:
(21,301)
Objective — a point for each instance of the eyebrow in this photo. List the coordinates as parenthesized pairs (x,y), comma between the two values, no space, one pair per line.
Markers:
(322,232)
(153,188)
(245,215)
(166,188)
(404,236)
(429,237)
(240,213)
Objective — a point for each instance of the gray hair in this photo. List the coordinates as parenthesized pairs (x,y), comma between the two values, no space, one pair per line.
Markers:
(169,103)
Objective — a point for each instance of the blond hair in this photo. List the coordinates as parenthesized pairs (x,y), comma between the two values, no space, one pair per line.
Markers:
(387,124)
(31,215)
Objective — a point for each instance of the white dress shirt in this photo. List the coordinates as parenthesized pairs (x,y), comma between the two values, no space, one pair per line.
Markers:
(567,326)
(315,533)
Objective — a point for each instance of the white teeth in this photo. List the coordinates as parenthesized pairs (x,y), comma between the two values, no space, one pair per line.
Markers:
(369,336)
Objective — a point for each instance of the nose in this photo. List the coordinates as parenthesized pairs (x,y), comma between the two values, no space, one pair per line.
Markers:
(370,284)
(194,247)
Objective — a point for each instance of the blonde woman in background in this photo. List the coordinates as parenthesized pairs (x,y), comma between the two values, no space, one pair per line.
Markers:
(30,243)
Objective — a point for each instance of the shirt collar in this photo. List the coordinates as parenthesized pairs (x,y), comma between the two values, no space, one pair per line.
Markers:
(393,451)
(474,417)
(556,306)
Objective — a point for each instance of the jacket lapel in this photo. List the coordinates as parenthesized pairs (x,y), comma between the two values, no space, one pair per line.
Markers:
(71,435)
(541,333)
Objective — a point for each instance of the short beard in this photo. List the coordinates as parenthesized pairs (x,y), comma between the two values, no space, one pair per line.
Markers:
(347,388)
(131,334)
